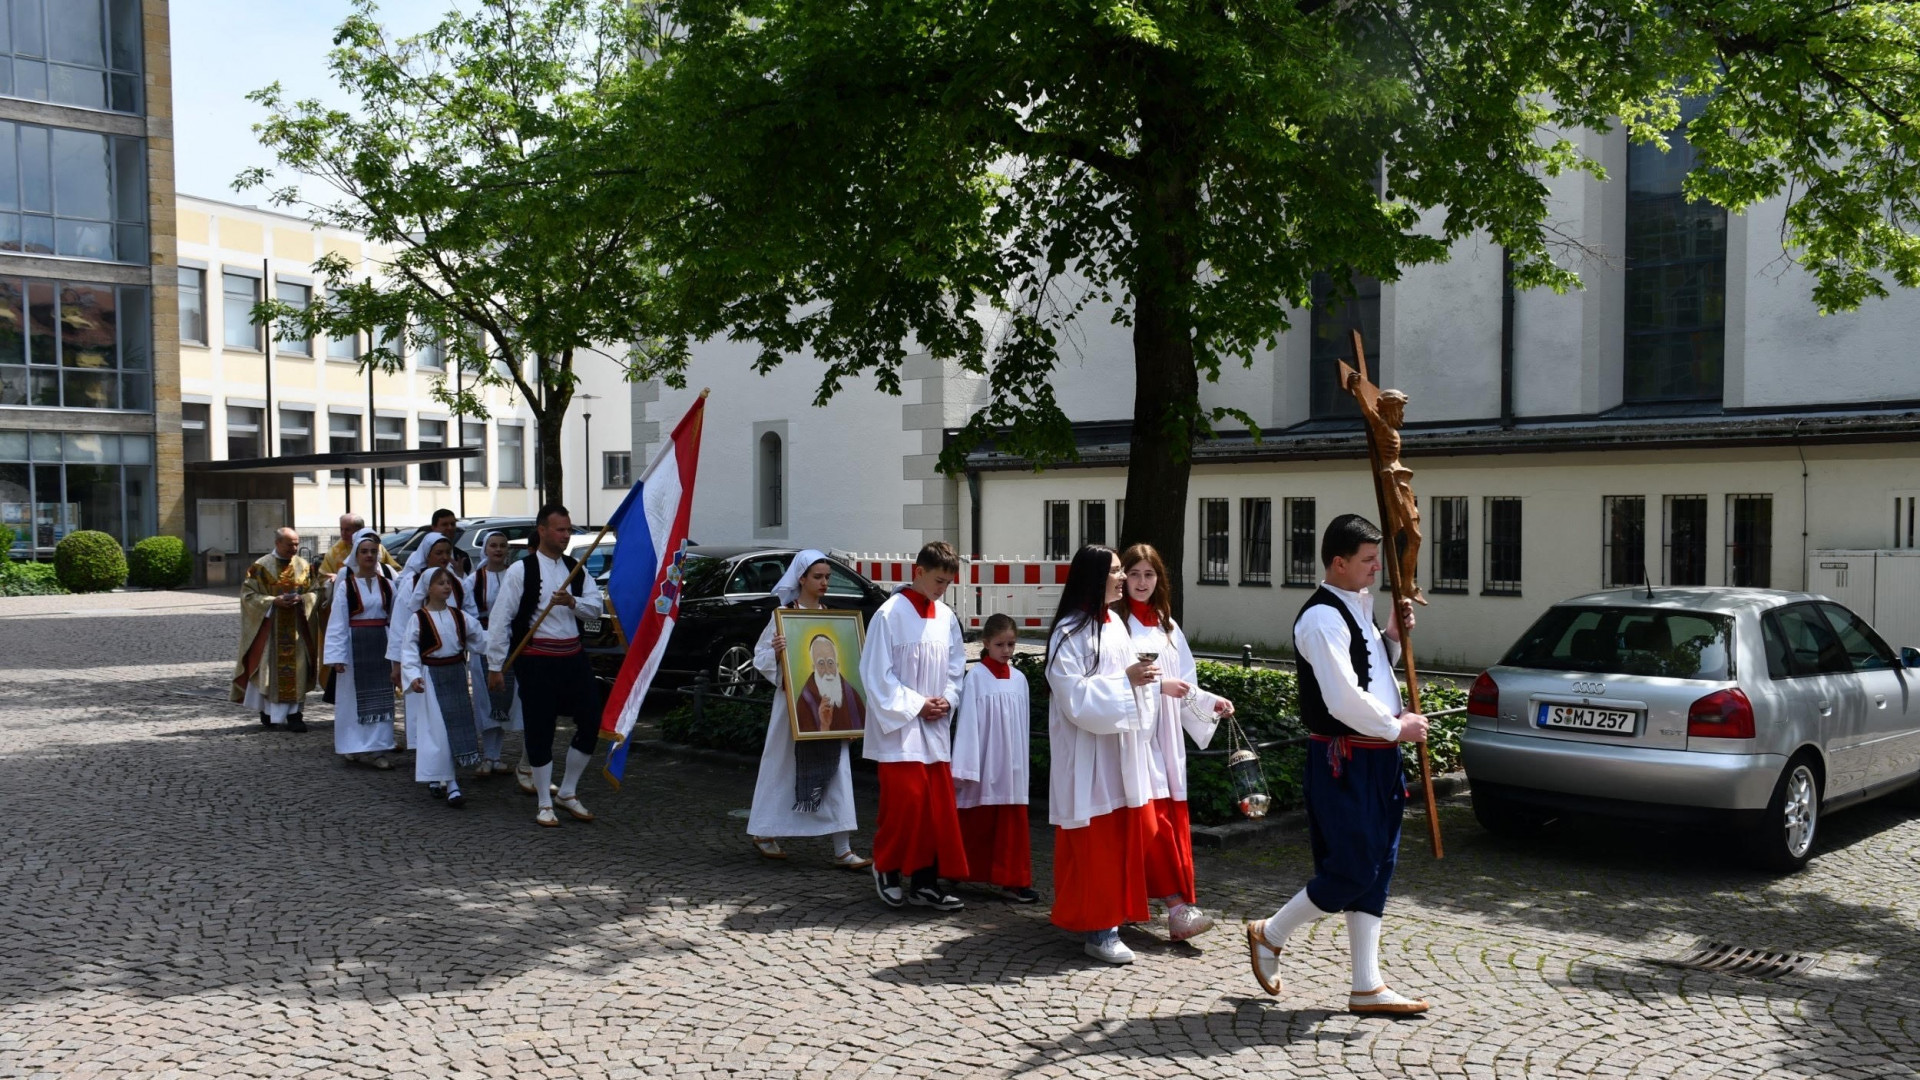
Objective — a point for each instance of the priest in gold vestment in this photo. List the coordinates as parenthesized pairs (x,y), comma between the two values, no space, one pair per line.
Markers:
(278,652)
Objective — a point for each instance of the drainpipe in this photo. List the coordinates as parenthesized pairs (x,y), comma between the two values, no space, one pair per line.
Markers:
(1506,338)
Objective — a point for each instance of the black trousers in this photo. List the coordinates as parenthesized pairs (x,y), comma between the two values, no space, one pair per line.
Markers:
(553,686)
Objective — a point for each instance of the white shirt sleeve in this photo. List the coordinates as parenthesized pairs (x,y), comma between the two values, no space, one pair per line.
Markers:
(403,609)
(591,603)
(339,644)
(506,602)
(1196,709)
(1322,640)
(967,734)
(1101,704)
(765,660)
(956,660)
(891,703)
(410,666)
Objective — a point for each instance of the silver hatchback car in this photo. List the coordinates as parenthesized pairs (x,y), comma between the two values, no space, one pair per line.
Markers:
(1749,708)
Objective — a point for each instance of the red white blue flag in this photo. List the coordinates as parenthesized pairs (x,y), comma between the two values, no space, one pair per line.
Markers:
(643,583)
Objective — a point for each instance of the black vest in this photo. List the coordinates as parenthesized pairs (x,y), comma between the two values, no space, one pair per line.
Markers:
(533,591)
(1313,706)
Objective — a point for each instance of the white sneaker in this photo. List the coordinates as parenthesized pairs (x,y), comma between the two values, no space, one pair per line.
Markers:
(1106,947)
(1187,920)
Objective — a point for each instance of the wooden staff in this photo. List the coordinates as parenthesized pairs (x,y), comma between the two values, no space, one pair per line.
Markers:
(567,584)
(1391,526)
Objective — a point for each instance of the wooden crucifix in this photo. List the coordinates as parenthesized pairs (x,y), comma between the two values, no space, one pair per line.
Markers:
(1384,410)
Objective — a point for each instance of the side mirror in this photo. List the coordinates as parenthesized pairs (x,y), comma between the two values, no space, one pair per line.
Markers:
(1910,658)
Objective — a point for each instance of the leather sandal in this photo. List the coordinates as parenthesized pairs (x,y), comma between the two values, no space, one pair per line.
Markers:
(848,860)
(546,818)
(768,848)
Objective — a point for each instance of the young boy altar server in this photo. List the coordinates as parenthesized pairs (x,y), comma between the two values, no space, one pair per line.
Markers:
(991,752)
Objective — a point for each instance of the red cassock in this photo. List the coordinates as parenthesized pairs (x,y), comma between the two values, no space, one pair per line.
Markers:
(918,825)
(999,845)
(1100,871)
(1170,853)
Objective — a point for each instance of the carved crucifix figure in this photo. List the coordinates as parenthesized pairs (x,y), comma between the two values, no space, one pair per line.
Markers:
(1384,415)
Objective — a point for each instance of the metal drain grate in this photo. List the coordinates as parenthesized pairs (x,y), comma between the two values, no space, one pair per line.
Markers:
(1735,960)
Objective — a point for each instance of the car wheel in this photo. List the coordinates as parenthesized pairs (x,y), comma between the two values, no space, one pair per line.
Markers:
(734,674)
(1785,838)
(1503,817)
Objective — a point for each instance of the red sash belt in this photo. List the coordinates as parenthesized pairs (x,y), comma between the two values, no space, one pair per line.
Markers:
(1340,748)
(366,622)
(541,646)
(444,661)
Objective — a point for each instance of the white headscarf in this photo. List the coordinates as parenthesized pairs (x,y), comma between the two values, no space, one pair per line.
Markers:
(418,560)
(353,549)
(788,589)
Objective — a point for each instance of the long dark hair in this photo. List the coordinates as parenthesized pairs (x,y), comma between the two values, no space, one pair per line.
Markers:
(1085,593)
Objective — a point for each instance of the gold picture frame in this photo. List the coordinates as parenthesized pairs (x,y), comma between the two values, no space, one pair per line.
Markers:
(823,646)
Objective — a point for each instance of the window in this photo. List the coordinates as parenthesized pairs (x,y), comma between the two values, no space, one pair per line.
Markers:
(771,463)
(392,345)
(1449,544)
(195,445)
(1799,643)
(1676,276)
(1623,541)
(473,436)
(1684,544)
(52,484)
(193,306)
(512,452)
(1864,648)
(243,433)
(299,296)
(1628,641)
(1055,535)
(76,193)
(238,294)
(343,437)
(1303,557)
(65,344)
(1256,541)
(296,435)
(75,52)
(1501,574)
(433,355)
(1093,521)
(433,436)
(616,469)
(390,433)
(1903,520)
(1332,321)
(842,583)
(1750,541)
(344,347)
(1215,547)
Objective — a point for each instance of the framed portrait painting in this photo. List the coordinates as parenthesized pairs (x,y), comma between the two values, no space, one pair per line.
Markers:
(825,699)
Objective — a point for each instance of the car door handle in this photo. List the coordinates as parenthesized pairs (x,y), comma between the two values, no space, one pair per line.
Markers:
(1880,701)
(1826,708)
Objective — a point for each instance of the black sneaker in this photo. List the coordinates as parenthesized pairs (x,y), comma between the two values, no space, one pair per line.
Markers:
(888,886)
(456,800)
(1021,896)
(436,790)
(265,720)
(296,723)
(934,898)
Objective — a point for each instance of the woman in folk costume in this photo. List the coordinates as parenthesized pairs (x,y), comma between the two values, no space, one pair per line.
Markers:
(1180,708)
(434,666)
(991,752)
(499,709)
(363,598)
(1101,786)
(805,787)
(912,665)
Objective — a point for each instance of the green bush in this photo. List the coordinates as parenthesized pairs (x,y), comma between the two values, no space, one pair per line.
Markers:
(724,725)
(6,544)
(29,579)
(90,561)
(160,562)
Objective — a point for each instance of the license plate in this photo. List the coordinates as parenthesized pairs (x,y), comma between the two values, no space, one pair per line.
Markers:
(590,625)
(1583,718)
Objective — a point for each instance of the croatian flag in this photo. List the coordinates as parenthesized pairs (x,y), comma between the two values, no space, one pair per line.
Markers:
(644,581)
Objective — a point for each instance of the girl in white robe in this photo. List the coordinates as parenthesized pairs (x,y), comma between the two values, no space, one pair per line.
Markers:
(445,735)
(992,752)
(363,707)
(780,808)
(499,712)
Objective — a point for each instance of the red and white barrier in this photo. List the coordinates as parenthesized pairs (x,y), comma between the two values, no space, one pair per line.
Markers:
(1026,589)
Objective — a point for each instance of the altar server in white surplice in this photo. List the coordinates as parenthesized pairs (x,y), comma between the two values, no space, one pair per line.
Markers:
(992,749)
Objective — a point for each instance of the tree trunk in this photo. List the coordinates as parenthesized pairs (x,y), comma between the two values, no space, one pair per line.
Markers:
(550,417)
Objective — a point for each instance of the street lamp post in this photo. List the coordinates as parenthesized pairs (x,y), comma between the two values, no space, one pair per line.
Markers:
(586,463)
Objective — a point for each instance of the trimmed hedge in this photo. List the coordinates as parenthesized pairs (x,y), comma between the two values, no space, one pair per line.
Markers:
(90,561)
(1265,703)
(29,579)
(160,562)
(7,536)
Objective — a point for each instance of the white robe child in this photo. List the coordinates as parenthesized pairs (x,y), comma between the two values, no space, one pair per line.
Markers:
(1098,734)
(907,659)
(1193,714)
(773,813)
(433,758)
(350,736)
(991,749)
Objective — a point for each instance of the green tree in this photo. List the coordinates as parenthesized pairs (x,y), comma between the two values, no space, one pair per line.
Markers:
(964,176)
(474,154)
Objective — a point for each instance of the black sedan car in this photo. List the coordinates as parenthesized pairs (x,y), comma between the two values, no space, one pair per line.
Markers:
(725,602)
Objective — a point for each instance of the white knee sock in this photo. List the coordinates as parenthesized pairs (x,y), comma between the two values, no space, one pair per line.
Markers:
(576,765)
(1296,913)
(453,788)
(1363,939)
(842,844)
(542,777)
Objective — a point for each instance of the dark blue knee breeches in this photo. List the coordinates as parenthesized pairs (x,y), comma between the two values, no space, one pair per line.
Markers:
(1353,822)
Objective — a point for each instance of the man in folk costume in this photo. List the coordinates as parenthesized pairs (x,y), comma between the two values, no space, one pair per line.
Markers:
(278,651)
(912,665)
(1355,790)
(356,641)
(339,558)
(805,786)
(552,669)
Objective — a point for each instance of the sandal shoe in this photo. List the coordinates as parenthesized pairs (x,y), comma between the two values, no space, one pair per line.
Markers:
(485,768)
(524,777)
(1265,959)
(768,849)
(1384,1002)
(572,805)
(381,762)
(546,818)
(846,860)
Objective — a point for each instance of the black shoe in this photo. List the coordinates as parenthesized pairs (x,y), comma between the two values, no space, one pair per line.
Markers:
(934,898)
(456,800)
(887,884)
(265,720)
(296,723)
(1021,896)
(436,790)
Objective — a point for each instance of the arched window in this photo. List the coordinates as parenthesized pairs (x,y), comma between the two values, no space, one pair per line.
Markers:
(772,504)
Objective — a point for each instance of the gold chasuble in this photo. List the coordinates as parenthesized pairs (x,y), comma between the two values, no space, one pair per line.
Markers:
(278,652)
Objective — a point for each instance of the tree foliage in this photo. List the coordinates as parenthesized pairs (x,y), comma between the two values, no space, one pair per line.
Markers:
(474,154)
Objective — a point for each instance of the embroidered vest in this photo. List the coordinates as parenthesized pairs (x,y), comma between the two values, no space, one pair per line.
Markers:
(1313,705)
(533,591)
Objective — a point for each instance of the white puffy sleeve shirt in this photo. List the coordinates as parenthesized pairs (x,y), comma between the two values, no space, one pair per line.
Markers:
(907,659)
(1322,639)
(1094,723)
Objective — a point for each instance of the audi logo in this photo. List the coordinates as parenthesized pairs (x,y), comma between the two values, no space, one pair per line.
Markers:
(1594,688)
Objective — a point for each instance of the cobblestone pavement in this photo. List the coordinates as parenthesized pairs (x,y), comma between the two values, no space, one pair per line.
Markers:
(184,893)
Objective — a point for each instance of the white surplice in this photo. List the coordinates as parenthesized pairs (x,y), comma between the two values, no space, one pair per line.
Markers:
(1193,714)
(433,758)
(991,740)
(350,736)
(908,659)
(773,812)
(1097,731)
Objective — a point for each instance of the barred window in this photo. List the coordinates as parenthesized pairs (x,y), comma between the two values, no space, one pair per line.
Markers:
(1093,521)
(1501,575)
(1623,541)
(1055,533)
(1303,565)
(1256,541)
(1215,549)
(1684,541)
(1449,544)
(1750,541)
